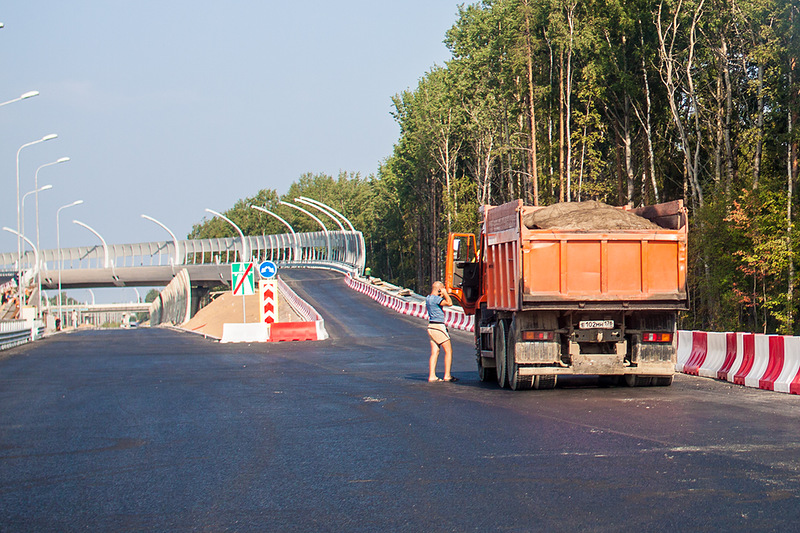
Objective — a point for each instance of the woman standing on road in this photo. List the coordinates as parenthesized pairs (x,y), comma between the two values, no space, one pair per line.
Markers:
(437,331)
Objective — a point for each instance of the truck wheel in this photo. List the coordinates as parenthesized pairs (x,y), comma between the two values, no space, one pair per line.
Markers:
(662,381)
(637,381)
(515,381)
(500,331)
(545,382)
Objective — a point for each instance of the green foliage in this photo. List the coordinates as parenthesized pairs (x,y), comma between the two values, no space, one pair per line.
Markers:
(598,100)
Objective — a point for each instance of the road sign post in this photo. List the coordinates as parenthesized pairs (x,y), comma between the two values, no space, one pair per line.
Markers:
(243,282)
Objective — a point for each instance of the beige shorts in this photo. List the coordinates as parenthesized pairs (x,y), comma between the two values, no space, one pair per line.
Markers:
(438,333)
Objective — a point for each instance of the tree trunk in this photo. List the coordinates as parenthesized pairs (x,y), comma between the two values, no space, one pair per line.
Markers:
(649,127)
(729,166)
(759,129)
(561,152)
(533,164)
(568,120)
(667,41)
(627,143)
(791,165)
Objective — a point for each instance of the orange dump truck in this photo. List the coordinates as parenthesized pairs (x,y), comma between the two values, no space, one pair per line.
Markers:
(556,301)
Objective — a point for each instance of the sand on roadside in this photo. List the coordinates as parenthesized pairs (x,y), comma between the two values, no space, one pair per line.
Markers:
(227,309)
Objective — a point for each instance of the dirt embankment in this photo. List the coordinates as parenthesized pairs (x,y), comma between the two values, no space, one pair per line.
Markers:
(227,308)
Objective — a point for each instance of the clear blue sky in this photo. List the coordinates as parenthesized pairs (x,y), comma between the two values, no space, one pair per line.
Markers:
(168,107)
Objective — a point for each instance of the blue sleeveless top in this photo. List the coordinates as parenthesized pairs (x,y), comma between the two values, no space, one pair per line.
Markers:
(435,311)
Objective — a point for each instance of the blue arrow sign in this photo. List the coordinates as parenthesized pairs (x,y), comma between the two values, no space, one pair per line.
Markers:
(267,269)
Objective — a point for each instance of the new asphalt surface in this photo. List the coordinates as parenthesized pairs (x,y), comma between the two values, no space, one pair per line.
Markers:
(159,430)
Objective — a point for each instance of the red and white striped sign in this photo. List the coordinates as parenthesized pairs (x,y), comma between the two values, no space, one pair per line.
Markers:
(268,291)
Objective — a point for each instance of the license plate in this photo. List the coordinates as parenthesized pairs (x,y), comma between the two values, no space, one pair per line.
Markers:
(596,324)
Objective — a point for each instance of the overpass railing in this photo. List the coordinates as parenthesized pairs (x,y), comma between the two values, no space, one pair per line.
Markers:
(343,250)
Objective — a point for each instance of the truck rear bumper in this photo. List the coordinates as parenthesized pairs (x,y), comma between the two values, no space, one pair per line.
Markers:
(601,366)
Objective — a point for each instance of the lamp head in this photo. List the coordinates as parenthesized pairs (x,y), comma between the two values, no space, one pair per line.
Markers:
(62,160)
(29,94)
(49,137)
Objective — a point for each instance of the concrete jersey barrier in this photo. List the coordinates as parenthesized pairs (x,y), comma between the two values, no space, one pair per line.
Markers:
(767,362)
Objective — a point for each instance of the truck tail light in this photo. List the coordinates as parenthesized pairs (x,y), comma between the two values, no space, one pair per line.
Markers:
(657,337)
(538,335)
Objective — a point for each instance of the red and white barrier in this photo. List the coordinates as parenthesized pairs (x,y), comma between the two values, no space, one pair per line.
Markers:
(789,378)
(730,356)
(310,329)
(453,319)
(768,362)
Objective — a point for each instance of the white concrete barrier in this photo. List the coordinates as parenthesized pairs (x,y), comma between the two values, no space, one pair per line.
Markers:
(253,332)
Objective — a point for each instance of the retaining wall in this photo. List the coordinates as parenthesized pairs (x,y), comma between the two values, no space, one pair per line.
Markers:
(174,303)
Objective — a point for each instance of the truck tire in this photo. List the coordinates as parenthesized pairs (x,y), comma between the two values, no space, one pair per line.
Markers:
(515,380)
(637,381)
(664,381)
(544,382)
(500,333)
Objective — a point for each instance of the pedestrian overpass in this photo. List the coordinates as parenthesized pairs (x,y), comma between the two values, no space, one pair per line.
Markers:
(207,261)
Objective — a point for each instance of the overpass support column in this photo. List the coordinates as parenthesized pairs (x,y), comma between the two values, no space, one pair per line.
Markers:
(199,294)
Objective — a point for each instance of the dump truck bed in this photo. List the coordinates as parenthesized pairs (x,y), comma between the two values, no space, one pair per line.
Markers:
(585,269)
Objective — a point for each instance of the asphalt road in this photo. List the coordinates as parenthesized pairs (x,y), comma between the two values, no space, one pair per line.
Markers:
(166,431)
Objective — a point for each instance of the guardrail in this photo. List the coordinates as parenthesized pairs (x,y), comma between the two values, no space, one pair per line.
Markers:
(16,332)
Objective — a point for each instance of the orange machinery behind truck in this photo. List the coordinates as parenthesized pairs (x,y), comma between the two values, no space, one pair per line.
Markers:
(567,302)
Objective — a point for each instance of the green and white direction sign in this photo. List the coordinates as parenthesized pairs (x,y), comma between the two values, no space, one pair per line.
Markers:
(243,279)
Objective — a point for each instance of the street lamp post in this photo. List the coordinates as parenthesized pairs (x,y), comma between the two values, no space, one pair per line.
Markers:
(178,260)
(60,260)
(291,229)
(329,214)
(22,203)
(102,240)
(36,186)
(19,241)
(318,221)
(359,253)
(245,255)
(337,213)
(23,96)
(320,208)
(38,270)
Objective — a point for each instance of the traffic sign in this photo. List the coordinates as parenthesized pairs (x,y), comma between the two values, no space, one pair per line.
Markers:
(268,289)
(268,269)
(242,279)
